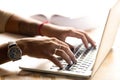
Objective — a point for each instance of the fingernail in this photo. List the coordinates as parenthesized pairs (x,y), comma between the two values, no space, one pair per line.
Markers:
(75,62)
(60,68)
(71,63)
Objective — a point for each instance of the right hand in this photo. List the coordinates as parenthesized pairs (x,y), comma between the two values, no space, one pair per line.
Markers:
(45,47)
(61,33)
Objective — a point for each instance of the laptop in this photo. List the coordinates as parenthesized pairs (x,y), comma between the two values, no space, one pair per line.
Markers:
(88,60)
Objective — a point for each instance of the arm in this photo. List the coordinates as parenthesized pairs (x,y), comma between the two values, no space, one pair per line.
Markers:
(23,26)
(19,25)
(3,53)
(43,47)
(12,23)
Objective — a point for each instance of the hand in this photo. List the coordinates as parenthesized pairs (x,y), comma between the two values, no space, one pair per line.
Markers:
(62,32)
(44,47)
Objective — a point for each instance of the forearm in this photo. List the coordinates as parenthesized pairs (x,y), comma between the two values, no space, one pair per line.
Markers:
(3,53)
(23,26)
(4,50)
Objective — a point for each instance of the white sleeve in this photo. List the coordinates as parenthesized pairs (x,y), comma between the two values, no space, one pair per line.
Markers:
(4,16)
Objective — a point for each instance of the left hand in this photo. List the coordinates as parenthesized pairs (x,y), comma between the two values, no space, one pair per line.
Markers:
(62,32)
(45,47)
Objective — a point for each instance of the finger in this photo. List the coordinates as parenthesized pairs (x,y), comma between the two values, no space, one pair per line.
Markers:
(65,44)
(80,35)
(90,40)
(59,42)
(66,48)
(84,40)
(55,61)
(71,47)
(62,53)
(69,53)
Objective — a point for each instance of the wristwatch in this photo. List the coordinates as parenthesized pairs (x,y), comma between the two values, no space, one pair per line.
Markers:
(14,51)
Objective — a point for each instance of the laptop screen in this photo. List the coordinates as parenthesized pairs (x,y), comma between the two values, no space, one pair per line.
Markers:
(109,34)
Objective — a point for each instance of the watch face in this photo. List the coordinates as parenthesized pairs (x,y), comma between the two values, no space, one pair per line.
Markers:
(14,53)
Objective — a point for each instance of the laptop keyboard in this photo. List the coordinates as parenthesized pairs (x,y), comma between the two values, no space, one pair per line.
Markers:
(85,60)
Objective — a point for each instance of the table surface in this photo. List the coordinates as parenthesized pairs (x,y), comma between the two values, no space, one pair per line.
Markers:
(109,70)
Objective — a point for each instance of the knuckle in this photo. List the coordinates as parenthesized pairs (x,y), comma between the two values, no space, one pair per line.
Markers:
(53,38)
(82,36)
(70,30)
(85,34)
(60,52)
(66,48)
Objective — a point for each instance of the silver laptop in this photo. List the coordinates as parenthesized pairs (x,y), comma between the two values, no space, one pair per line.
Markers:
(88,60)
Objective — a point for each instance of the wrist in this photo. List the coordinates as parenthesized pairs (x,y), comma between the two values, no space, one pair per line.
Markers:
(41,26)
(3,53)
(14,51)
(22,46)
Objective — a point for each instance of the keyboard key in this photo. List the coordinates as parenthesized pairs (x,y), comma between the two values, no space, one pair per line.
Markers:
(84,57)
